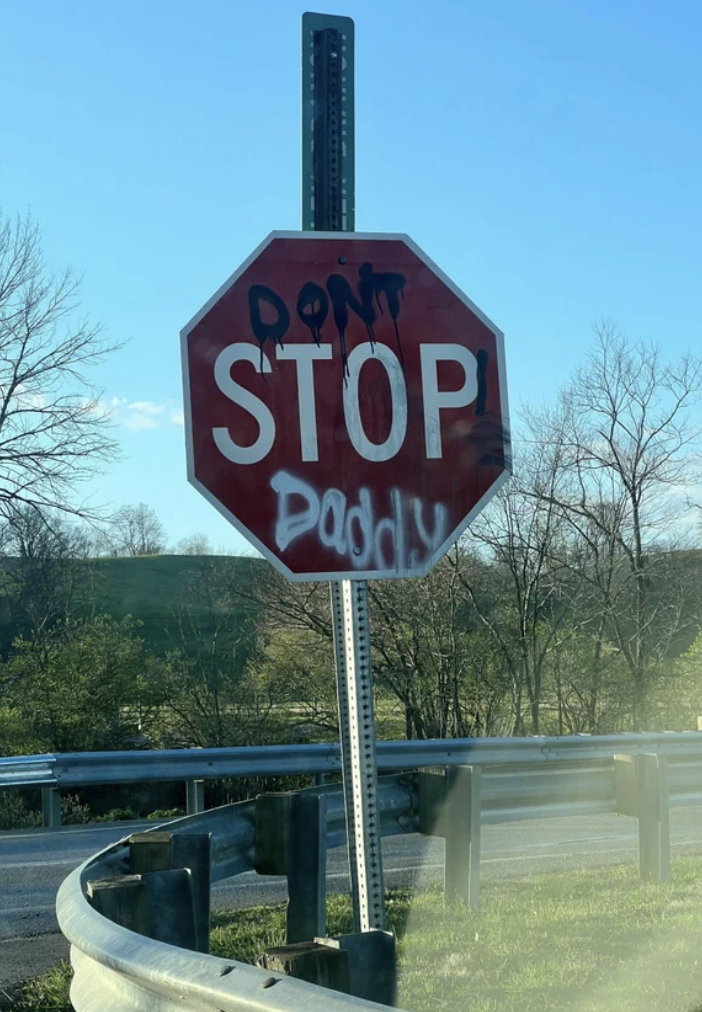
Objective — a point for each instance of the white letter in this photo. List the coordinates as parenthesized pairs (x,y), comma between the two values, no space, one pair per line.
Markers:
(334,502)
(363,513)
(304,355)
(435,540)
(290,526)
(243,352)
(396,529)
(435,399)
(352,412)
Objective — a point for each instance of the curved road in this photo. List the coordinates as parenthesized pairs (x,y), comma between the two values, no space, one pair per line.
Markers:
(33,863)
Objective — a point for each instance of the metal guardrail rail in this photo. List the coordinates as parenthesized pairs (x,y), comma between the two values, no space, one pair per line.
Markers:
(27,771)
(116,969)
(77,769)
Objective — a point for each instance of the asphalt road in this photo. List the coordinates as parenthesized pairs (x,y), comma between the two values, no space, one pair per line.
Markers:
(33,863)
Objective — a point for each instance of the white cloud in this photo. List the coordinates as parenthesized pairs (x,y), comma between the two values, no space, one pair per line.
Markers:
(142,416)
(146,407)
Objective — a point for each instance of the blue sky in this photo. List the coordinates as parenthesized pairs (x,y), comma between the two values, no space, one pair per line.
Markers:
(547,155)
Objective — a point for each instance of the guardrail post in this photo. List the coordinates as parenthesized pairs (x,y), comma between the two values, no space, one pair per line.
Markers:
(271,833)
(431,785)
(291,835)
(306,915)
(50,807)
(149,852)
(315,962)
(171,899)
(363,964)
(372,964)
(167,852)
(194,796)
(449,807)
(462,860)
(123,900)
(159,905)
(641,790)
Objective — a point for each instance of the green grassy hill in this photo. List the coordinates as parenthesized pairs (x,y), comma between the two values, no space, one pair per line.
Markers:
(155,590)
(160,590)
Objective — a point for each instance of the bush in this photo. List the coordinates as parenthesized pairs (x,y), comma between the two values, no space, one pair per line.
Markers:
(118,815)
(73,813)
(16,814)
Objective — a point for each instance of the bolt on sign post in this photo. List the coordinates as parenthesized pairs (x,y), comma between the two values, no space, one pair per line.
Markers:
(346,410)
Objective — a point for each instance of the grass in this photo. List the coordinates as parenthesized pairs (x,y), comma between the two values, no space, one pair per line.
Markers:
(48,993)
(588,941)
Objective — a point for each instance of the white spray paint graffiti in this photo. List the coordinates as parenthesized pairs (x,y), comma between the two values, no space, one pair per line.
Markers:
(352,531)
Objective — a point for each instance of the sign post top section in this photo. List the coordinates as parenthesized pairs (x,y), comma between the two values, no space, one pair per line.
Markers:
(328,184)
(345,405)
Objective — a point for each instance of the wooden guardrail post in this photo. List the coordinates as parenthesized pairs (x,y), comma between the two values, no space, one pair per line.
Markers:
(50,807)
(123,900)
(315,962)
(363,964)
(306,914)
(172,914)
(271,827)
(372,964)
(158,905)
(449,807)
(641,790)
(163,852)
(291,840)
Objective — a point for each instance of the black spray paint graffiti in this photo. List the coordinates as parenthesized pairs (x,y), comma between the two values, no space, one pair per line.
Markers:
(313,307)
(274,332)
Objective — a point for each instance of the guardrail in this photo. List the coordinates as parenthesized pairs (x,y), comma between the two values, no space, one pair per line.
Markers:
(81,769)
(66,771)
(114,971)
(115,968)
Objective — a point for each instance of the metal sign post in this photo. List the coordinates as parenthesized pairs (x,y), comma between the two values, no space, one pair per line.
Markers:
(328,206)
(346,411)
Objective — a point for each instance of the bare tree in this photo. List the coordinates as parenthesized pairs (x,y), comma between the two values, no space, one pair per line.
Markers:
(627,448)
(194,544)
(213,699)
(53,431)
(45,571)
(433,656)
(511,570)
(435,671)
(135,531)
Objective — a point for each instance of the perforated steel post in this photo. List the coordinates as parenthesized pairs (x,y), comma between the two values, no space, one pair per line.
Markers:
(354,681)
(328,205)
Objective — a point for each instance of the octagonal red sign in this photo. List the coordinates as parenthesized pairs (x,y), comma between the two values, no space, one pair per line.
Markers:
(346,405)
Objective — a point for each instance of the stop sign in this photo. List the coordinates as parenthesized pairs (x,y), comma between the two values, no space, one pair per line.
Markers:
(346,405)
